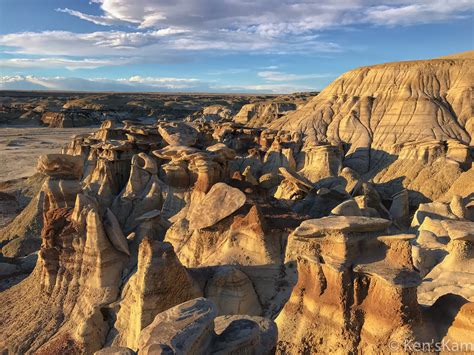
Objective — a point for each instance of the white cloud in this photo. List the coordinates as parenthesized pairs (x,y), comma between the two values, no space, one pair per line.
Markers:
(272,17)
(416,12)
(170,83)
(70,43)
(229,71)
(98,20)
(162,29)
(280,76)
(269,88)
(70,64)
(134,83)
(156,44)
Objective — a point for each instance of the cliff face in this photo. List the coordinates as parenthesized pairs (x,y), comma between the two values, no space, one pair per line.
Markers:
(378,107)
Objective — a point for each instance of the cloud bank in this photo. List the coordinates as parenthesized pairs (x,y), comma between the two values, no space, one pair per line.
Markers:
(163,31)
(136,84)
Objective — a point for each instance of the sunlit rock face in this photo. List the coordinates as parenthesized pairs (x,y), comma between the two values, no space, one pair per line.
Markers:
(416,114)
(62,185)
(261,114)
(352,267)
(159,283)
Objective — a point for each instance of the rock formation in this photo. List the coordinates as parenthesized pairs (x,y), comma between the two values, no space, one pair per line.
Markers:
(159,283)
(260,114)
(191,327)
(405,112)
(344,226)
(69,118)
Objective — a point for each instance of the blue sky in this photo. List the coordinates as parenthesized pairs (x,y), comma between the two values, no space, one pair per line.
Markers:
(271,46)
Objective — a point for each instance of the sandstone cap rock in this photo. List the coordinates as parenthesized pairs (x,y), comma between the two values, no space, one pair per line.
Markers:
(174,151)
(221,201)
(459,230)
(61,166)
(318,227)
(178,133)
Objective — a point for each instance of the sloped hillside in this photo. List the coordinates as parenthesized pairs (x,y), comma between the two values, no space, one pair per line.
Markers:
(382,107)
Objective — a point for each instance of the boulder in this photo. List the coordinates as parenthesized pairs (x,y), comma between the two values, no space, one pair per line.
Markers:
(184,329)
(400,209)
(220,202)
(243,333)
(178,133)
(191,328)
(347,208)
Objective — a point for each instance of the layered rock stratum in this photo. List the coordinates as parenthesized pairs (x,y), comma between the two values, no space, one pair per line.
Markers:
(343,226)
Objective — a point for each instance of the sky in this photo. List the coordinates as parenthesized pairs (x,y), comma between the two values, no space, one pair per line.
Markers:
(268,46)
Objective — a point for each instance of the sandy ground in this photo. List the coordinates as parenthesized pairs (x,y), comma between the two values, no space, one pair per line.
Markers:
(21,146)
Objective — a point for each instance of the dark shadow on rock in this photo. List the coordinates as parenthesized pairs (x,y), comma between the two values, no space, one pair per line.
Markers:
(389,188)
(442,313)
(379,160)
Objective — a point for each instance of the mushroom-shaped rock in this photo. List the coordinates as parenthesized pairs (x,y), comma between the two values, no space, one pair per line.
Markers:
(61,166)
(336,237)
(220,202)
(184,329)
(318,227)
(174,152)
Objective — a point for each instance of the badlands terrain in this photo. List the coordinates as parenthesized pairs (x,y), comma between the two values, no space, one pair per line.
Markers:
(331,222)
